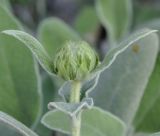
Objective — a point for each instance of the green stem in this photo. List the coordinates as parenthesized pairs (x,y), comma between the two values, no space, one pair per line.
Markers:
(75,92)
(75,98)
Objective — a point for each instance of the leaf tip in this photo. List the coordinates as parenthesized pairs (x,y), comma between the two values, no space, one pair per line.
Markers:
(7,32)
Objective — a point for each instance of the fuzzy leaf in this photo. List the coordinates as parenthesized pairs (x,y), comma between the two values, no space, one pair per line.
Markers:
(20,95)
(35,47)
(71,108)
(94,122)
(141,134)
(5,3)
(11,127)
(53,33)
(87,86)
(115,16)
(64,91)
(48,90)
(156,134)
(149,108)
(113,53)
(84,25)
(121,87)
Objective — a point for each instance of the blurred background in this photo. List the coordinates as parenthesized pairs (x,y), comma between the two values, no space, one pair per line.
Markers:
(82,16)
(69,19)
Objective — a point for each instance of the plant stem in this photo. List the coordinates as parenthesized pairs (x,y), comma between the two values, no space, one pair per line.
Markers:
(75,92)
(75,98)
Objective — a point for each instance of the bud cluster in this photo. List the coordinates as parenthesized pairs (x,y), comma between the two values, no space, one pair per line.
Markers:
(75,60)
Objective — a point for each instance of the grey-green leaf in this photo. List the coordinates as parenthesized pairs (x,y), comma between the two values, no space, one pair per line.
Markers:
(113,53)
(20,94)
(141,134)
(72,109)
(121,87)
(11,127)
(35,46)
(84,25)
(149,108)
(95,122)
(49,91)
(156,134)
(53,33)
(65,90)
(87,86)
(5,3)
(115,16)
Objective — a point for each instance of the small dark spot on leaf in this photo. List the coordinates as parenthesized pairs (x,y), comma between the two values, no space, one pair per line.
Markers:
(135,48)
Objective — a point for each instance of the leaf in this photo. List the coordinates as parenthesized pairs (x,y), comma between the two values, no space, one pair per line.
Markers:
(156,134)
(64,91)
(87,86)
(53,33)
(11,127)
(20,94)
(8,17)
(71,108)
(35,47)
(141,134)
(113,53)
(84,25)
(5,3)
(115,16)
(94,122)
(41,130)
(121,87)
(48,90)
(145,119)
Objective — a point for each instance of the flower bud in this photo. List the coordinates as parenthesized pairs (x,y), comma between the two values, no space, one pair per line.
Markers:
(75,61)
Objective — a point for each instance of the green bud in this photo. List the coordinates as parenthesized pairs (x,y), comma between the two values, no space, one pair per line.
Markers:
(75,61)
